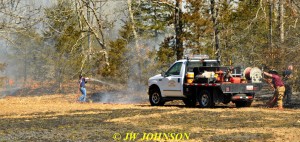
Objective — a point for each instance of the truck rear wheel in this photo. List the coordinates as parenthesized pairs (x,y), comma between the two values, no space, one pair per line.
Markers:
(243,104)
(226,99)
(155,98)
(205,99)
(189,102)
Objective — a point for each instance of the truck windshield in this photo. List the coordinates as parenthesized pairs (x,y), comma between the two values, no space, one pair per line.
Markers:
(212,64)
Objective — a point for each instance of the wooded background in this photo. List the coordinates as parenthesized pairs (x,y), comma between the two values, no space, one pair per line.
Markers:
(127,41)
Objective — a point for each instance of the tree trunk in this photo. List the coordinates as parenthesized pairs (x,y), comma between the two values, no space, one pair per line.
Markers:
(88,17)
(270,23)
(214,13)
(178,29)
(281,20)
(137,55)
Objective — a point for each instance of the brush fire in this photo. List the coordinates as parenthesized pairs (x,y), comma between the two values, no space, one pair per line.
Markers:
(115,113)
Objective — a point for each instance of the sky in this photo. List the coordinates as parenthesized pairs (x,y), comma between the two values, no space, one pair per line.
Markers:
(44,3)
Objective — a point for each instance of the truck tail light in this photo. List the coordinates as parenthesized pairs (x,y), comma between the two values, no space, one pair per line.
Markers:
(242,97)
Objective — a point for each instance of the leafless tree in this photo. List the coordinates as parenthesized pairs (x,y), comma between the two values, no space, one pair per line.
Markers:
(93,22)
(17,17)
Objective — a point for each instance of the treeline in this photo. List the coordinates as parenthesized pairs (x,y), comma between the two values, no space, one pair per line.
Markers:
(128,41)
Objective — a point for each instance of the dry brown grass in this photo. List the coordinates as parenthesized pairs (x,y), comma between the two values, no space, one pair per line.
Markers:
(60,118)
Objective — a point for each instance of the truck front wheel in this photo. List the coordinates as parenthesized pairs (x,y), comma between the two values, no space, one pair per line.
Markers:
(205,99)
(155,98)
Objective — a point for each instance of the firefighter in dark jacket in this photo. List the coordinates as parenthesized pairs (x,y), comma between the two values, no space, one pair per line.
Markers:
(82,81)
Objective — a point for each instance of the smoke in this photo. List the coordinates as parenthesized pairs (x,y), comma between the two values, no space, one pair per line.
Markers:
(8,76)
(134,92)
(103,82)
(9,90)
(12,52)
(139,67)
(118,94)
(120,97)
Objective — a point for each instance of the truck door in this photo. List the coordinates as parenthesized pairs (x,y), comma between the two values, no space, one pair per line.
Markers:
(172,81)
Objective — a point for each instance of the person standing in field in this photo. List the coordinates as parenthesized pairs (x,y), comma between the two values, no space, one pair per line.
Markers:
(82,82)
(279,89)
(287,80)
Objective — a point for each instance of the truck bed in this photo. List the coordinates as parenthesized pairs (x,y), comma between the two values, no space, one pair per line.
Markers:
(228,87)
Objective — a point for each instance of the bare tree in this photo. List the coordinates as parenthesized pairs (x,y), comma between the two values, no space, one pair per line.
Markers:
(281,19)
(16,17)
(214,16)
(270,23)
(92,23)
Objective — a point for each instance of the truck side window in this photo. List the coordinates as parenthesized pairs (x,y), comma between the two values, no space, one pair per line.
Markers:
(175,69)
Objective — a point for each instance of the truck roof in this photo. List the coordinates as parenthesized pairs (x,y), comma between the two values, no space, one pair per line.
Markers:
(201,63)
(195,60)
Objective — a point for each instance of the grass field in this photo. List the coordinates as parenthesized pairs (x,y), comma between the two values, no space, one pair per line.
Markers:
(61,118)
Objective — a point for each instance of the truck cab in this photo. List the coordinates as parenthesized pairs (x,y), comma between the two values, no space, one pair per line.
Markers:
(175,84)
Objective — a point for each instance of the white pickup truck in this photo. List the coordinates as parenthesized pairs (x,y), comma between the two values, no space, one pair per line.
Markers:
(201,80)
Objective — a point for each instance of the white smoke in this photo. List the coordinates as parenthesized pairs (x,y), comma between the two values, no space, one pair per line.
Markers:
(117,94)
(120,97)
